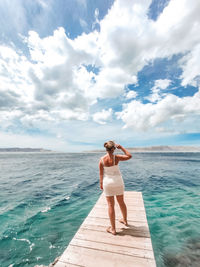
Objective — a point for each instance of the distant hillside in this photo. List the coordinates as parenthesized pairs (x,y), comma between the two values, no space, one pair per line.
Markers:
(166,149)
(160,149)
(27,149)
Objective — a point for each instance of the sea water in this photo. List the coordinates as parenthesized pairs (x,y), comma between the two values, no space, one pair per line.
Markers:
(44,198)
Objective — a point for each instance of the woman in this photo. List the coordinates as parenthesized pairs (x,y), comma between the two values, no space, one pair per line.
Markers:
(111,182)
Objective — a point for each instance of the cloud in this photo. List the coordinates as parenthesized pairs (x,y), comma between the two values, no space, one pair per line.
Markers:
(110,82)
(190,64)
(131,94)
(162,84)
(9,11)
(8,118)
(54,83)
(156,94)
(43,3)
(15,88)
(24,140)
(96,23)
(171,108)
(83,24)
(103,116)
(8,100)
(83,3)
(130,40)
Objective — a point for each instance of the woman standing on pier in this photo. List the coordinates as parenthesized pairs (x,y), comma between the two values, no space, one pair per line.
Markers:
(111,182)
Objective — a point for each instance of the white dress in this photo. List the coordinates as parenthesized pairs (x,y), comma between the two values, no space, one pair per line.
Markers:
(113,183)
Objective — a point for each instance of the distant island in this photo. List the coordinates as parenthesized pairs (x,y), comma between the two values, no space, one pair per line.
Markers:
(160,149)
(131,149)
(166,149)
(27,149)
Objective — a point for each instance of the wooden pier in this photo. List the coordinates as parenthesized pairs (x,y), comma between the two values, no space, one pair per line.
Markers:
(92,246)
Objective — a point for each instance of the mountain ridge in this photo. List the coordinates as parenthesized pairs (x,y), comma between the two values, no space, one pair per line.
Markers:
(160,149)
(26,149)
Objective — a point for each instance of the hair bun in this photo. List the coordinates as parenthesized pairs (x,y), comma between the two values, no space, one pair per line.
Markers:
(109,145)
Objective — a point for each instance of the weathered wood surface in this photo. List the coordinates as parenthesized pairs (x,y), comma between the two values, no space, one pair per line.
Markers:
(93,246)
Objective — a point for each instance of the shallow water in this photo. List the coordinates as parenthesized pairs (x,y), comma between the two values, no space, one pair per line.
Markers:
(45,197)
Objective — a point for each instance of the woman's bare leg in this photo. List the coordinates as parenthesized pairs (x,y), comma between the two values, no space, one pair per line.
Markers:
(111,213)
(120,200)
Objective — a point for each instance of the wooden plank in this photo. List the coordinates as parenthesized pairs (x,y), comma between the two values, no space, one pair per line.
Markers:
(139,241)
(136,230)
(113,247)
(67,264)
(132,208)
(104,213)
(92,244)
(141,231)
(90,257)
(106,221)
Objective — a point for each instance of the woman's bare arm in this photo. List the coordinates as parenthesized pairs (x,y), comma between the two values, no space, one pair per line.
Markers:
(127,155)
(101,174)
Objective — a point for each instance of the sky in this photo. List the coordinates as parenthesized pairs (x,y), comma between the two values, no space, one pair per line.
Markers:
(76,73)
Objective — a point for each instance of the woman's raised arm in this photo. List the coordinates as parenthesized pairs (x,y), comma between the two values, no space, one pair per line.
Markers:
(127,155)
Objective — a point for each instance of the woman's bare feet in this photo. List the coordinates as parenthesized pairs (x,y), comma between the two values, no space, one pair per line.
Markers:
(109,230)
(124,222)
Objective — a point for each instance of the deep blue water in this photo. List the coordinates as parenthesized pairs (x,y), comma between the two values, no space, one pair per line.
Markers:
(44,198)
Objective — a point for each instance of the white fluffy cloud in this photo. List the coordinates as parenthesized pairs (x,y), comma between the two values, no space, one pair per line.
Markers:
(171,108)
(162,84)
(129,39)
(157,94)
(14,77)
(103,116)
(54,85)
(111,82)
(190,64)
(131,94)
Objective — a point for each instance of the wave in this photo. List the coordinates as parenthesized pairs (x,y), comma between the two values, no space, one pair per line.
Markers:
(185,182)
(46,209)
(31,245)
(85,185)
(24,182)
(14,210)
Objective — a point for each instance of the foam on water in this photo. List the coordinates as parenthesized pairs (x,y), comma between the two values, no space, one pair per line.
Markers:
(46,209)
(44,199)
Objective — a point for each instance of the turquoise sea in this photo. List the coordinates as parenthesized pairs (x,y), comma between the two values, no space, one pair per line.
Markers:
(44,198)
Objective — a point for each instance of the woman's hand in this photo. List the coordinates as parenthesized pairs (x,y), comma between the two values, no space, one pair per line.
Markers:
(118,146)
(101,186)
(123,157)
